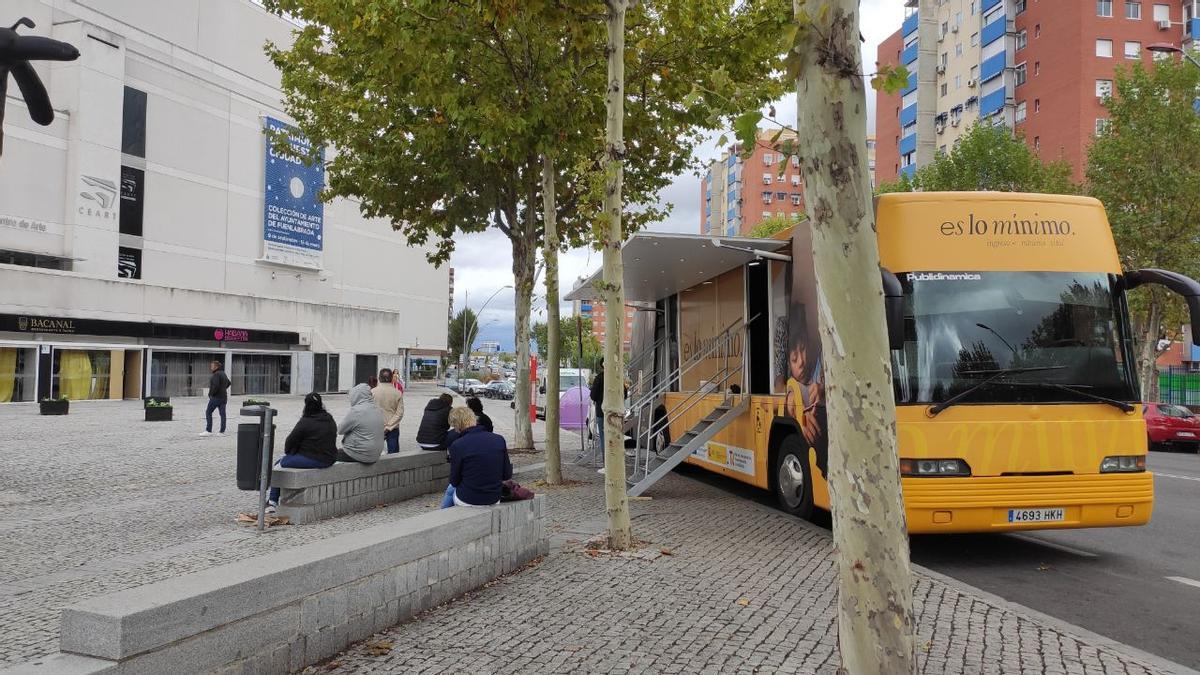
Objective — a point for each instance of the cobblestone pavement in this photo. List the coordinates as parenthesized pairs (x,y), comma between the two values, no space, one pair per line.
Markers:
(744,589)
(100,501)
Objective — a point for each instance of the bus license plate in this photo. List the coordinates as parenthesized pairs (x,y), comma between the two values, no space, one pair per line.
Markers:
(1037,515)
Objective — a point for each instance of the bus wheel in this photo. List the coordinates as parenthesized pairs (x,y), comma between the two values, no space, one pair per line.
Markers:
(793,484)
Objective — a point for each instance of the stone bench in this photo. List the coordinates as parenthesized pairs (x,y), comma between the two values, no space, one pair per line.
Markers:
(292,608)
(308,495)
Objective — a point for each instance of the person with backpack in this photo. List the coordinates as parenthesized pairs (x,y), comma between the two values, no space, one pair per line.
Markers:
(218,397)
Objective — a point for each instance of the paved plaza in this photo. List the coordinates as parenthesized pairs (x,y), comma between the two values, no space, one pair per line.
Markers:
(101,501)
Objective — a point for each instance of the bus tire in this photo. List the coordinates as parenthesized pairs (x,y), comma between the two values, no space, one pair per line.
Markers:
(793,480)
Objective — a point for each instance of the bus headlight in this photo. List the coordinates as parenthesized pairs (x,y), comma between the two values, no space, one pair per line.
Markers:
(1123,464)
(926,468)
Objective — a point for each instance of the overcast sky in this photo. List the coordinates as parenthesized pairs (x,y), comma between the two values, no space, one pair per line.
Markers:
(483,262)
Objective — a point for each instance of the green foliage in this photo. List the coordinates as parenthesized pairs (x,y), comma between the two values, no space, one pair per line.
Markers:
(568,335)
(769,227)
(890,78)
(1143,168)
(454,333)
(988,158)
(153,403)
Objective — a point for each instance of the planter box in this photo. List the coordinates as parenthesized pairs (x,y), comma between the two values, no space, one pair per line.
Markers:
(160,399)
(55,407)
(248,403)
(158,414)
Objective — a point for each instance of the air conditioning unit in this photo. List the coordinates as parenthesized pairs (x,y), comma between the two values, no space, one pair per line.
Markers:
(941,70)
(954,29)
(954,122)
(941,128)
(1165,24)
(971,83)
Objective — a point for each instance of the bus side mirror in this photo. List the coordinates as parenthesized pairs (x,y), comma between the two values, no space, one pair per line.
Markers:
(1186,287)
(893,308)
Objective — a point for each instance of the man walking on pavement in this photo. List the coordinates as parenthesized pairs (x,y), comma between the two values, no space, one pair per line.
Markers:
(218,396)
(391,402)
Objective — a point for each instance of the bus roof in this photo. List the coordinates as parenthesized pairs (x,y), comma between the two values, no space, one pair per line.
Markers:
(660,264)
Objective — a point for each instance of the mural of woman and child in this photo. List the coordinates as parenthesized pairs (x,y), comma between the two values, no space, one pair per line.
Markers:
(801,362)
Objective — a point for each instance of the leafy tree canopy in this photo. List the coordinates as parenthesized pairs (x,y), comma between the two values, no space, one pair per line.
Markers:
(568,334)
(769,227)
(987,157)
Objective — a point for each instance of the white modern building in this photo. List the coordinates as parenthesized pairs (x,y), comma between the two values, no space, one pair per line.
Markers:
(149,230)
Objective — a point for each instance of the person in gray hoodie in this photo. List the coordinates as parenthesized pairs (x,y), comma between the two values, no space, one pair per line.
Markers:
(362,428)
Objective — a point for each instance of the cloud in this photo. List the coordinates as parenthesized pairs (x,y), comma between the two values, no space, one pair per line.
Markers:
(483,262)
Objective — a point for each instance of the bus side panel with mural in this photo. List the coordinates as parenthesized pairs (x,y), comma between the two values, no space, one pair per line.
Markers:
(1012,359)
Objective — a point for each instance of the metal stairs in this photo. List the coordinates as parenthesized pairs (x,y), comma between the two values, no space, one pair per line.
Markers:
(651,465)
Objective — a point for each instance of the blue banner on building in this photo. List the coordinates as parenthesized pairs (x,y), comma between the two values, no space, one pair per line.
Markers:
(293,215)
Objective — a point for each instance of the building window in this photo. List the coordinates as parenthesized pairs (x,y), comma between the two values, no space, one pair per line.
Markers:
(133,123)
(1101,125)
(958,81)
(1162,12)
(1103,7)
(974,39)
(958,50)
(795,199)
(1037,105)
(1020,112)
(1037,142)
(24,259)
(1037,30)
(767,178)
(1019,71)
(768,158)
(766,196)
(1104,48)
(943,89)
(974,72)
(958,18)
(945,59)
(941,149)
(766,214)
(796,179)
(781,196)
(1133,10)
(1022,39)
(795,162)
(972,8)
(1103,88)
(1037,68)
(945,29)
(1133,50)
(1019,6)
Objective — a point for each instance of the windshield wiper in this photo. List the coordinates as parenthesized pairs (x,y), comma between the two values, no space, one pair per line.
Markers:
(996,374)
(1081,391)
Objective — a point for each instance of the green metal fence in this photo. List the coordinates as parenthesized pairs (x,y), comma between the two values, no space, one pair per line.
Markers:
(1177,385)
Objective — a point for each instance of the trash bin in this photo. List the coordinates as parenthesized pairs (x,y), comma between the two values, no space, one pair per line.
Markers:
(249,452)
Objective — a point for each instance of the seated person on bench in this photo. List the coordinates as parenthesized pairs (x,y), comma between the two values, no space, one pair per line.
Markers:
(362,428)
(311,445)
(478,463)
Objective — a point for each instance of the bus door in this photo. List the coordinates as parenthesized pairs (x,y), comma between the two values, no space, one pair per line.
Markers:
(757,359)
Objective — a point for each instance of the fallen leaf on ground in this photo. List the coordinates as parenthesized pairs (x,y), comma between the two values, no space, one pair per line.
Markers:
(380,648)
(744,602)
(666,551)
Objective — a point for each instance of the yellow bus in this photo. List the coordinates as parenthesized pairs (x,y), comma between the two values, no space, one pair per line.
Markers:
(1012,360)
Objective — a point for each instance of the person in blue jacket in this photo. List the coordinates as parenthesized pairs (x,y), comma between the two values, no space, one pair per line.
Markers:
(479,463)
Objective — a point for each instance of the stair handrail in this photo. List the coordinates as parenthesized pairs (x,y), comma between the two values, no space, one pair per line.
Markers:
(721,341)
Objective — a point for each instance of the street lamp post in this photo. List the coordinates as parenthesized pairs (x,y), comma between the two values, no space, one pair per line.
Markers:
(468,343)
(1168,48)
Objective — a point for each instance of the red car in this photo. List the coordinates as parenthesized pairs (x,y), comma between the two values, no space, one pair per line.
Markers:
(1171,427)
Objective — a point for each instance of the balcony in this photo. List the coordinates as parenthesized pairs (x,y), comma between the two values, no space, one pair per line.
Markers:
(988,4)
(908,115)
(910,23)
(1193,30)
(908,170)
(912,85)
(991,103)
(909,54)
(908,144)
(993,31)
(993,66)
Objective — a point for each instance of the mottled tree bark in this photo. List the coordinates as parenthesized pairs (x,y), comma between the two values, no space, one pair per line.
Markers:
(524,250)
(549,218)
(616,495)
(875,616)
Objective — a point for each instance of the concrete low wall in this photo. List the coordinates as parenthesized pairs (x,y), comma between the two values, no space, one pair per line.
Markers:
(308,495)
(289,609)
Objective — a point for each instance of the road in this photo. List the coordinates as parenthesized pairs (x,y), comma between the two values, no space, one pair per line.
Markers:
(1139,586)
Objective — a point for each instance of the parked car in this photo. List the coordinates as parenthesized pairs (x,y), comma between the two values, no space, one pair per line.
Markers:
(461,385)
(1171,427)
(500,390)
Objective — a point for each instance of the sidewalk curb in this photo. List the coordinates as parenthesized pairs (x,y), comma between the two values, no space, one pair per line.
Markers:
(1087,636)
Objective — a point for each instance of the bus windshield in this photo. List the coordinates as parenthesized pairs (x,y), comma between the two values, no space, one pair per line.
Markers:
(1056,331)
